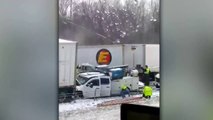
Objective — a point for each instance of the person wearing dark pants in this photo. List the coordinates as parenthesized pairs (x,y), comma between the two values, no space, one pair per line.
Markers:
(147,75)
(124,91)
(146,79)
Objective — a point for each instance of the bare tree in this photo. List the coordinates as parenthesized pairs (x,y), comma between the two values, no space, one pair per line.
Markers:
(109,21)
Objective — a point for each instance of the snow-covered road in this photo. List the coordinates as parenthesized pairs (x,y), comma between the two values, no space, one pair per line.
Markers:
(86,109)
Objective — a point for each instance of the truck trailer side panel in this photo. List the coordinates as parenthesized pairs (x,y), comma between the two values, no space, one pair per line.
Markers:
(87,54)
(153,56)
(134,54)
(67,63)
(126,54)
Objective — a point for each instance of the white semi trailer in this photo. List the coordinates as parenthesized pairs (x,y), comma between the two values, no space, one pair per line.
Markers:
(134,54)
(152,59)
(67,68)
(88,54)
(125,54)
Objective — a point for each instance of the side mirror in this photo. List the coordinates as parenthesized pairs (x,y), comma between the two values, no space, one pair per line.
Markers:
(88,85)
(91,85)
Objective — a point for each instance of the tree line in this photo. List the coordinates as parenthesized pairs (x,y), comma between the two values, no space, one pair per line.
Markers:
(109,21)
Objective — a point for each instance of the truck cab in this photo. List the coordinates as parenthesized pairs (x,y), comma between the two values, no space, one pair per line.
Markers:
(93,84)
(97,84)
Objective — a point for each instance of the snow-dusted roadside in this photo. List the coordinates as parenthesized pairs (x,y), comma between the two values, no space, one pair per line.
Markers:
(85,109)
(83,104)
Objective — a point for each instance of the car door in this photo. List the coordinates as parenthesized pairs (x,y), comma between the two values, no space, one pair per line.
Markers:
(105,86)
(92,88)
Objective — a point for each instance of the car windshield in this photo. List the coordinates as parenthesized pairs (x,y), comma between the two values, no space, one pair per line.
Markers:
(82,80)
(102,69)
(85,68)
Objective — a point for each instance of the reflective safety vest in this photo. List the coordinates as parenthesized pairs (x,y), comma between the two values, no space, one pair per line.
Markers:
(123,87)
(147,71)
(147,91)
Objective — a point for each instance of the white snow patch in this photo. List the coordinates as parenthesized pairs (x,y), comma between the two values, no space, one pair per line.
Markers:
(85,109)
(83,104)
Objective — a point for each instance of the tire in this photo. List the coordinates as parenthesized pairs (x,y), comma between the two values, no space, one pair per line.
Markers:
(157,86)
(79,94)
(62,97)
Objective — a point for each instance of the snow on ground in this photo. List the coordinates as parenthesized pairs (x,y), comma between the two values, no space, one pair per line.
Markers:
(154,101)
(83,104)
(86,109)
